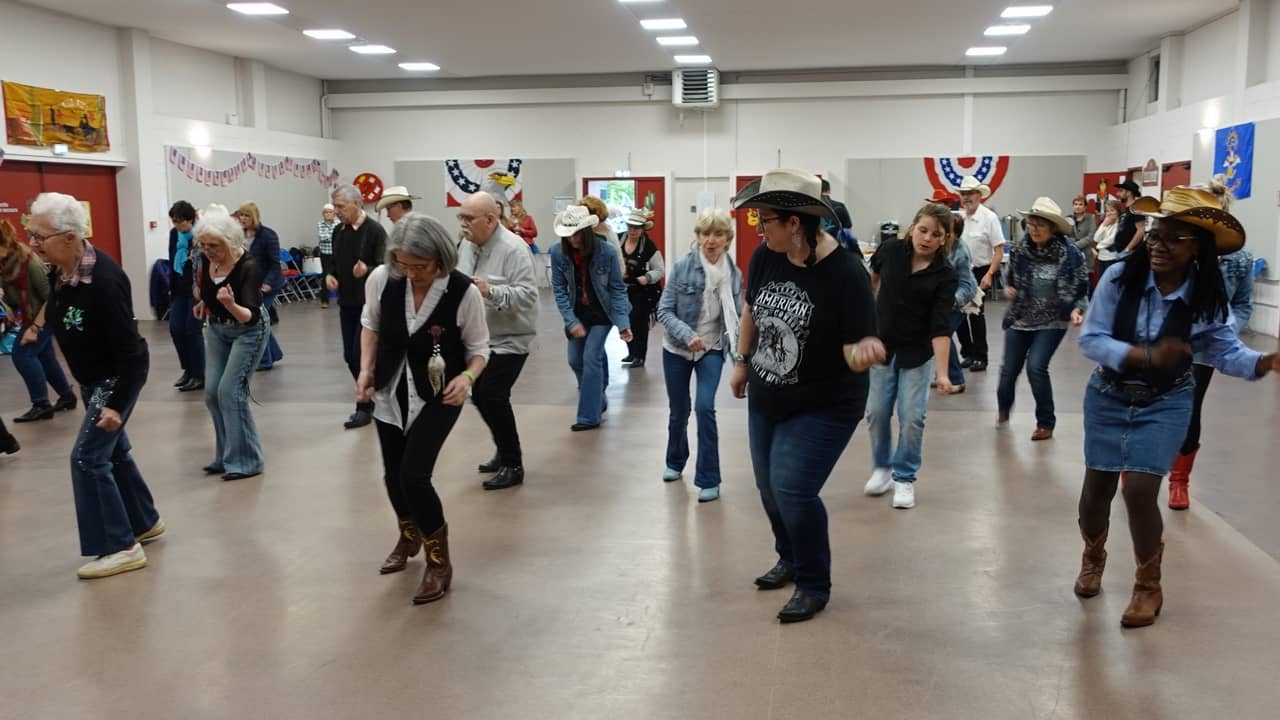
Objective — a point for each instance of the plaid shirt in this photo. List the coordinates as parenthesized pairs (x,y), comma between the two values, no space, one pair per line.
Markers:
(84,269)
(324,231)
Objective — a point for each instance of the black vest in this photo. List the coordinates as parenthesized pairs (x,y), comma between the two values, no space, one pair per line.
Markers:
(1177,324)
(440,334)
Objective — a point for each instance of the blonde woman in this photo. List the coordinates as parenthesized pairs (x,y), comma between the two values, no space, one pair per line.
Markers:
(699,309)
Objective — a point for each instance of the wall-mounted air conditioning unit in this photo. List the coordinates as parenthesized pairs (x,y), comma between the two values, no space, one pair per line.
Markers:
(696,88)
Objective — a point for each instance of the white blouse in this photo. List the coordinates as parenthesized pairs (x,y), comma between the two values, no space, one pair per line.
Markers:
(1105,239)
(475,336)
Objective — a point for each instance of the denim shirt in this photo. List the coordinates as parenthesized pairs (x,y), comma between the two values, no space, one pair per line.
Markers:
(680,308)
(1237,277)
(606,280)
(1215,339)
(966,283)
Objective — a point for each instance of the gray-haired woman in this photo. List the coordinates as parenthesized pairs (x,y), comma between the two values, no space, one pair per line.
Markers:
(423,345)
(231,300)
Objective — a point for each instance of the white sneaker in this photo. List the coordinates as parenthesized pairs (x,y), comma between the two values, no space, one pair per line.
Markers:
(904,495)
(107,565)
(880,482)
(156,531)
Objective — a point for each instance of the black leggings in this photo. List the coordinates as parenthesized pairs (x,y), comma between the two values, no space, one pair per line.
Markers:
(1203,374)
(642,305)
(1141,498)
(408,460)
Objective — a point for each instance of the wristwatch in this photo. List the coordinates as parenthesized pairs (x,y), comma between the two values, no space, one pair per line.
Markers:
(738,358)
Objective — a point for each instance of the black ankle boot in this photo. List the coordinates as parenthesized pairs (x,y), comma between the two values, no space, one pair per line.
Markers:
(493,466)
(65,402)
(802,606)
(39,411)
(506,477)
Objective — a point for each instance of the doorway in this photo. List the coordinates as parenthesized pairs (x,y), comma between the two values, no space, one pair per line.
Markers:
(688,191)
(21,182)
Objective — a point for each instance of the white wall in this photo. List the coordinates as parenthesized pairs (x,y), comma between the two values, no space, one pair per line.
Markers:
(1042,124)
(1206,53)
(84,59)
(293,102)
(192,83)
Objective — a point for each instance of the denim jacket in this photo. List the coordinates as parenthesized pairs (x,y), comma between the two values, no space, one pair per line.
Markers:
(606,280)
(681,305)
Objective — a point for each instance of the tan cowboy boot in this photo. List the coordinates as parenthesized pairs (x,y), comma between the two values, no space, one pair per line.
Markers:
(1148,598)
(439,573)
(406,547)
(1092,563)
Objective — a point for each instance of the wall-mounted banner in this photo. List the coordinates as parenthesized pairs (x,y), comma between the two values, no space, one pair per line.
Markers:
(499,178)
(43,117)
(1233,157)
(249,164)
(945,173)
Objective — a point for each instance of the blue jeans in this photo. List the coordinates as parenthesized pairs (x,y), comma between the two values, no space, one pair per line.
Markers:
(188,338)
(232,353)
(113,503)
(678,372)
(955,373)
(792,460)
(1035,348)
(273,354)
(37,363)
(909,389)
(588,361)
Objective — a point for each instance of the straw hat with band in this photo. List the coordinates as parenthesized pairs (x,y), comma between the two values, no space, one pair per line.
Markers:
(640,217)
(1047,209)
(572,219)
(1199,207)
(393,195)
(792,191)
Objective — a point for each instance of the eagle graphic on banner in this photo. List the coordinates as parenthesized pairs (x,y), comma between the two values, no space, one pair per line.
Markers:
(945,173)
(499,178)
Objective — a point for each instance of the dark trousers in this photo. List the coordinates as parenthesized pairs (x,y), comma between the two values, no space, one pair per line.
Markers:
(642,305)
(349,316)
(273,353)
(1202,374)
(492,396)
(187,333)
(973,331)
(37,363)
(409,459)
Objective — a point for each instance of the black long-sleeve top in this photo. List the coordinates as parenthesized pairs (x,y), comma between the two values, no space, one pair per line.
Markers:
(367,244)
(95,326)
(244,280)
(266,250)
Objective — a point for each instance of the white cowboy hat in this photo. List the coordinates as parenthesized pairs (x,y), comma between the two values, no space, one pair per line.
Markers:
(1046,208)
(572,219)
(971,184)
(641,218)
(787,190)
(393,195)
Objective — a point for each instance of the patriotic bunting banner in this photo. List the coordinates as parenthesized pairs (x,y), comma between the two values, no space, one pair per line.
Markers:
(249,164)
(499,178)
(946,173)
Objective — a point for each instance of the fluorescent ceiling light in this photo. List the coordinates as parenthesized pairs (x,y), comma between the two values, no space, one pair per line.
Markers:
(663,24)
(1007,30)
(257,8)
(419,66)
(985,51)
(372,49)
(1027,11)
(693,59)
(683,40)
(329,34)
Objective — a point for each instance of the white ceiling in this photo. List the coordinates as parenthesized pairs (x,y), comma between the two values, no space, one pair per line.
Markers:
(553,37)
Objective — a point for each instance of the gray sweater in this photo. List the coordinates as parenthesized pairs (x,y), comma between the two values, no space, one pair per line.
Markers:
(511,310)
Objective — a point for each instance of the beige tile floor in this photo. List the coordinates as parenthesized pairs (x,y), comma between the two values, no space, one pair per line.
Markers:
(596,591)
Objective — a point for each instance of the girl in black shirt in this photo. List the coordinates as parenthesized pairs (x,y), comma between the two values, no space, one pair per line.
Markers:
(808,331)
(231,300)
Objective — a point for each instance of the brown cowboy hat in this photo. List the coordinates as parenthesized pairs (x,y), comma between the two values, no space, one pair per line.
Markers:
(1199,207)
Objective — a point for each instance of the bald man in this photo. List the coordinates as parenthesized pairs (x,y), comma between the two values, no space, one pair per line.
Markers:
(501,266)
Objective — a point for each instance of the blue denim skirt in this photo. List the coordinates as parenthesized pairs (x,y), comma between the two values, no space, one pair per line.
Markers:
(1122,437)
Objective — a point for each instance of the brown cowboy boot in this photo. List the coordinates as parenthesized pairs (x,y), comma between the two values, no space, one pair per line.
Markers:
(406,547)
(1148,598)
(439,574)
(1092,563)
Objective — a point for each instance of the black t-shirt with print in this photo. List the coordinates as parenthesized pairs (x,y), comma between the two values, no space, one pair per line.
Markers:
(1126,227)
(804,316)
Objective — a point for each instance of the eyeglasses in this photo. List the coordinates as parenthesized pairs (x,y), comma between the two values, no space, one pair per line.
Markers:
(766,220)
(37,238)
(411,268)
(1038,222)
(1155,237)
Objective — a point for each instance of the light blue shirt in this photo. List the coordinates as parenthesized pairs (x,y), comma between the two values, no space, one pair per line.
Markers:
(966,283)
(1216,340)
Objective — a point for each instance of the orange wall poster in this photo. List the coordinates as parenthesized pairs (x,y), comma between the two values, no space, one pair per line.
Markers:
(43,117)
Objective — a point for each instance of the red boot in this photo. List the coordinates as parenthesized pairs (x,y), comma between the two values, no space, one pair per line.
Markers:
(1179,479)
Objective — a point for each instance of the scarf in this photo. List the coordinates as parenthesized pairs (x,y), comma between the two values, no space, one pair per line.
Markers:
(180,254)
(719,282)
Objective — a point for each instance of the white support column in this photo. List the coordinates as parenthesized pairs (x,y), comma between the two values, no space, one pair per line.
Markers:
(140,185)
(251,100)
(967,136)
(1171,61)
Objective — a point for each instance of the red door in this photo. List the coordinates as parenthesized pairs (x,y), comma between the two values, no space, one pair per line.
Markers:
(650,191)
(1175,174)
(747,235)
(20,182)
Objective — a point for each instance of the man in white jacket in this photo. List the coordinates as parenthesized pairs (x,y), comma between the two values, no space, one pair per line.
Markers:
(501,266)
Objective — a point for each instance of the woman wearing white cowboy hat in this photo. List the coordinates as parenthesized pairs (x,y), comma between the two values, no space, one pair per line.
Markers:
(806,340)
(586,277)
(643,270)
(1048,284)
(1148,314)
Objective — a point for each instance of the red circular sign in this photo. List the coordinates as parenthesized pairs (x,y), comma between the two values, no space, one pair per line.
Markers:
(370,187)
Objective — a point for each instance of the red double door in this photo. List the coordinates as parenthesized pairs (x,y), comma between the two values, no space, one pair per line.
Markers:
(21,182)
(645,189)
